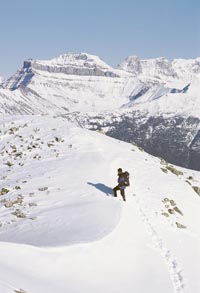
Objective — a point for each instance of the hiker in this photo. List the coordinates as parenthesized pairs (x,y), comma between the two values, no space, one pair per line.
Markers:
(123,181)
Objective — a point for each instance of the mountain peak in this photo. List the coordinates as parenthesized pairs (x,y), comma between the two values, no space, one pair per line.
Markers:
(75,59)
(73,64)
(131,64)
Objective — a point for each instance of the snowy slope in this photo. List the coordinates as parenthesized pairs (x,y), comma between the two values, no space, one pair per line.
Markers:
(164,102)
(62,230)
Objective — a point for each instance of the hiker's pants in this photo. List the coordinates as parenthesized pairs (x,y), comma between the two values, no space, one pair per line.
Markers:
(122,191)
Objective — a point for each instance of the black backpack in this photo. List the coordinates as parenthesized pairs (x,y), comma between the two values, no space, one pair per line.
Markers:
(126,176)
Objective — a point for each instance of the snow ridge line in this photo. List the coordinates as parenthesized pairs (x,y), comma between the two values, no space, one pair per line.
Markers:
(176,273)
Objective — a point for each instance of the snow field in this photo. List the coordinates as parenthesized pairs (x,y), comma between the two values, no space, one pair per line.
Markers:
(78,238)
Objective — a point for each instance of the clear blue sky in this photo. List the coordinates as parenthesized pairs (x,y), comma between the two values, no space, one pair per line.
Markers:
(112,29)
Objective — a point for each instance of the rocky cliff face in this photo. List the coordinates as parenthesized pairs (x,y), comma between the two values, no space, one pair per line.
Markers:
(176,139)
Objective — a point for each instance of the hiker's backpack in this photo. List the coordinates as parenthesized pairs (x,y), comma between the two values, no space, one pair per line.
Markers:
(126,176)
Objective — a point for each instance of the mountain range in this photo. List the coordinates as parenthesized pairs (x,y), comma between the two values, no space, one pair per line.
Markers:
(153,102)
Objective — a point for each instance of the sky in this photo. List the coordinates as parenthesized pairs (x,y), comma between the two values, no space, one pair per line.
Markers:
(113,30)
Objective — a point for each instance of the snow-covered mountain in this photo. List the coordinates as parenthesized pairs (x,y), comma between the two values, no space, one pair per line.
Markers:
(83,82)
(156,101)
(151,68)
(171,86)
(1,79)
(61,230)
(71,82)
(162,68)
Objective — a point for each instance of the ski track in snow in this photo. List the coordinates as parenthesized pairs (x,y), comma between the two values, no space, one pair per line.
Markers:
(175,271)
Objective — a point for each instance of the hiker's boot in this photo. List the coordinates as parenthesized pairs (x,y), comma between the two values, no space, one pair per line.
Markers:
(123,196)
(115,192)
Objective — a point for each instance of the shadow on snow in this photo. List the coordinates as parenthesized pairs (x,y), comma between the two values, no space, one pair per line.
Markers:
(102,187)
